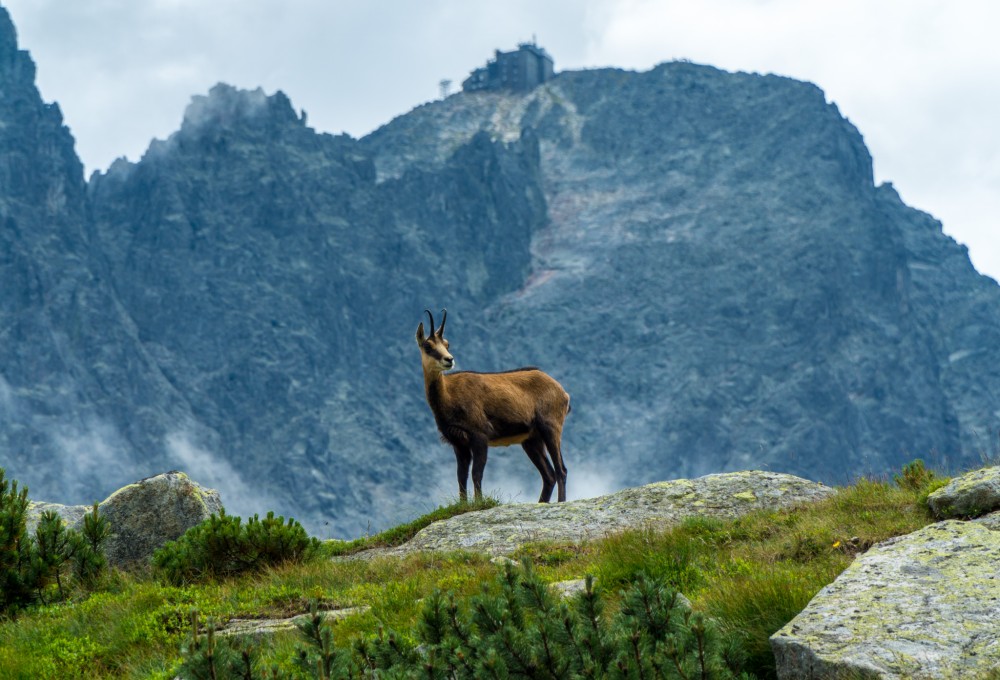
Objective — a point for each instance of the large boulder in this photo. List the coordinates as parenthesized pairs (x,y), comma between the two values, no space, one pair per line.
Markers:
(924,605)
(503,529)
(143,516)
(970,495)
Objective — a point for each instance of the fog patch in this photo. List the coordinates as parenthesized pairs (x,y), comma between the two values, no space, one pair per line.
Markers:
(511,478)
(588,482)
(224,105)
(9,406)
(93,461)
(210,470)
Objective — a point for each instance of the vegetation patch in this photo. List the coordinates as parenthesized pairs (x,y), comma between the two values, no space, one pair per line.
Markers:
(399,535)
(745,578)
(222,547)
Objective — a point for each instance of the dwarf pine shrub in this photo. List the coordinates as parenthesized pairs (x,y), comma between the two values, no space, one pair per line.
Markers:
(17,578)
(206,657)
(86,551)
(517,628)
(223,546)
(32,567)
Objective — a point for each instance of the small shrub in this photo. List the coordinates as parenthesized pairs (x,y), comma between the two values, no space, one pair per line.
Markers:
(524,630)
(321,657)
(915,476)
(17,585)
(86,548)
(32,566)
(222,546)
(206,657)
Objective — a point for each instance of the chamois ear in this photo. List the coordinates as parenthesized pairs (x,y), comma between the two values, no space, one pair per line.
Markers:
(444,318)
(420,334)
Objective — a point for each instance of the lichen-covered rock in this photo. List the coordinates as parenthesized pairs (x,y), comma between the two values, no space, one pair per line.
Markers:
(503,529)
(144,515)
(970,495)
(924,605)
(261,627)
(990,521)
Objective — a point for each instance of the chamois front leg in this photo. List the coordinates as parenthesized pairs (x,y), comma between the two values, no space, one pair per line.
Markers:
(479,447)
(463,456)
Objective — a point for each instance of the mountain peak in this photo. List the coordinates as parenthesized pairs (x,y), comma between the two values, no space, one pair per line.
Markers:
(226,106)
(15,64)
(8,34)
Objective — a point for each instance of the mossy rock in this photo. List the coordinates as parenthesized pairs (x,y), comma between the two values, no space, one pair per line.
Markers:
(970,495)
(504,529)
(143,516)
(924,605)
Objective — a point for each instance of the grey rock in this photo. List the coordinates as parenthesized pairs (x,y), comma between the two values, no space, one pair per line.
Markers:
(143,516)
(990,521)
(258,627)
(503,529)
(924,605)
(569,588)
(970,495)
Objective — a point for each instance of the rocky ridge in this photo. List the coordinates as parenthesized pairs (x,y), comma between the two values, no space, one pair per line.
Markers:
(505,528)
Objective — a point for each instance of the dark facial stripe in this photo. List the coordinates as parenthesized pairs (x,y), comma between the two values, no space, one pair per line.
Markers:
(433,352)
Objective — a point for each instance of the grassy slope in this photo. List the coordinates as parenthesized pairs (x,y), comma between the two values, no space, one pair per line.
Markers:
(752,575)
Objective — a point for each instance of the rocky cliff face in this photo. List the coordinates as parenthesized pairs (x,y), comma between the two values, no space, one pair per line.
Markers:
(279,286)
(700,257)
(80,398)
(722,285)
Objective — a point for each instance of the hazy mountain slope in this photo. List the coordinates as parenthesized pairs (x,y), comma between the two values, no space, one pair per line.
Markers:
(279,288)
(700,257)
(721,283)
(77,411)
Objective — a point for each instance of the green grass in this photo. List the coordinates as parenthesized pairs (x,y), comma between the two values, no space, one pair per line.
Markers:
(751,575)
(399,535)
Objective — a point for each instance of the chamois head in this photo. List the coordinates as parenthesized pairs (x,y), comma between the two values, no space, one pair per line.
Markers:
(434,348)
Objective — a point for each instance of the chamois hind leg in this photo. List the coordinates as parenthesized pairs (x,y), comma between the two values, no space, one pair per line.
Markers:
(479,448)
(463,457)
(552,436)
(535,448)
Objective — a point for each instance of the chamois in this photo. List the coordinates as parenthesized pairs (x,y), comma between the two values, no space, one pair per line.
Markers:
(474,411)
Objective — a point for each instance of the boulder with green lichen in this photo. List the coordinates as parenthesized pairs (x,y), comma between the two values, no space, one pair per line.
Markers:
(924,605)
(143,515)
(503,529)
(970,495)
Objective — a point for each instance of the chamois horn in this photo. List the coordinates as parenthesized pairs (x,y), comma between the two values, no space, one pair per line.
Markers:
(431,317)
(444,318)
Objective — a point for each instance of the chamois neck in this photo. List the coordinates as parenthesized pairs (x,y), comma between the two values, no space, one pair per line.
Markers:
(434,386)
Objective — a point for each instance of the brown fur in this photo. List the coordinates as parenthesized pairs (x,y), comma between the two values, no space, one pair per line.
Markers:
(474,411)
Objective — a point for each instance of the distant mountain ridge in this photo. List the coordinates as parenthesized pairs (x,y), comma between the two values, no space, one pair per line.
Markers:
(701,258)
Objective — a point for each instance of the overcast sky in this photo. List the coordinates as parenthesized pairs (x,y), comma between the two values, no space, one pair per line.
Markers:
(919,78)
